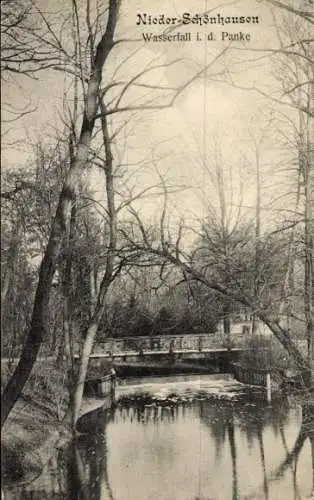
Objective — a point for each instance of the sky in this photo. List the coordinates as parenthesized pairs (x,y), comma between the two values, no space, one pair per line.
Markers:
(214,120)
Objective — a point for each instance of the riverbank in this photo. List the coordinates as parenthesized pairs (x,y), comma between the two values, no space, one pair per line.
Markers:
(36,423)
(39,422)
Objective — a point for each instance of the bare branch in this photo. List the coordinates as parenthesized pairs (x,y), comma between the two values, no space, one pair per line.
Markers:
(307,15)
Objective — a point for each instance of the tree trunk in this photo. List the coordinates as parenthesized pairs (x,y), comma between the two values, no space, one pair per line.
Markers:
(309,239)
(257,237)
(306,160)
(86,352)
(226,320)
(98,303)
(284,338)
(10,267)
(67,345)
(89,340)
(60,226)
(308,269)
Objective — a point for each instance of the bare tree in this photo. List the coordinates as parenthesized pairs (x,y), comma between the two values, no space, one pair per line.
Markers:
(293,63)
(25,50)
(298,84)
(98,103)
(62,219)
(237,290)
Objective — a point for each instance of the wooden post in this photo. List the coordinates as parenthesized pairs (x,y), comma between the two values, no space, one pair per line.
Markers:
(141,351)
(171,346)
(268,387)
(200,344)
(112,383)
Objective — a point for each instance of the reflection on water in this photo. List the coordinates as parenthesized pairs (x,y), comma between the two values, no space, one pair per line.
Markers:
(188,444)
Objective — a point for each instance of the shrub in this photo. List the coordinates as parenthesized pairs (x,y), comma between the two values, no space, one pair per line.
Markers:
(265,353)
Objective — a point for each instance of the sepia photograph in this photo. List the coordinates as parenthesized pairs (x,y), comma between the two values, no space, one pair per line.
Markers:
(157,246)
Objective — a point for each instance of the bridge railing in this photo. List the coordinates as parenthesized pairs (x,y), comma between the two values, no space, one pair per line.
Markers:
(169,343)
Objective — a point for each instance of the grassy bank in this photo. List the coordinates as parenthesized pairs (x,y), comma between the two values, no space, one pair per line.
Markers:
(35,423)
(266,353)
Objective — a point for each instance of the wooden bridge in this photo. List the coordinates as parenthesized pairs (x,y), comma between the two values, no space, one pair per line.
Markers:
(188,346)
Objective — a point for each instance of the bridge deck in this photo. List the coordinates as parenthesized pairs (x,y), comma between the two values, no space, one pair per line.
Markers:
(159,352)
(187,345)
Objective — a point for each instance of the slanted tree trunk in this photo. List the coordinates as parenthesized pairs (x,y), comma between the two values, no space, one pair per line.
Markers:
(282,334)
(66,347)
(98,303)
(60,225)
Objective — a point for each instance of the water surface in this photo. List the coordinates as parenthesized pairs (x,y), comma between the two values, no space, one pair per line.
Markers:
(185,438)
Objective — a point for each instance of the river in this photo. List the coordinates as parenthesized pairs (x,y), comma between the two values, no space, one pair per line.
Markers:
(184,438)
